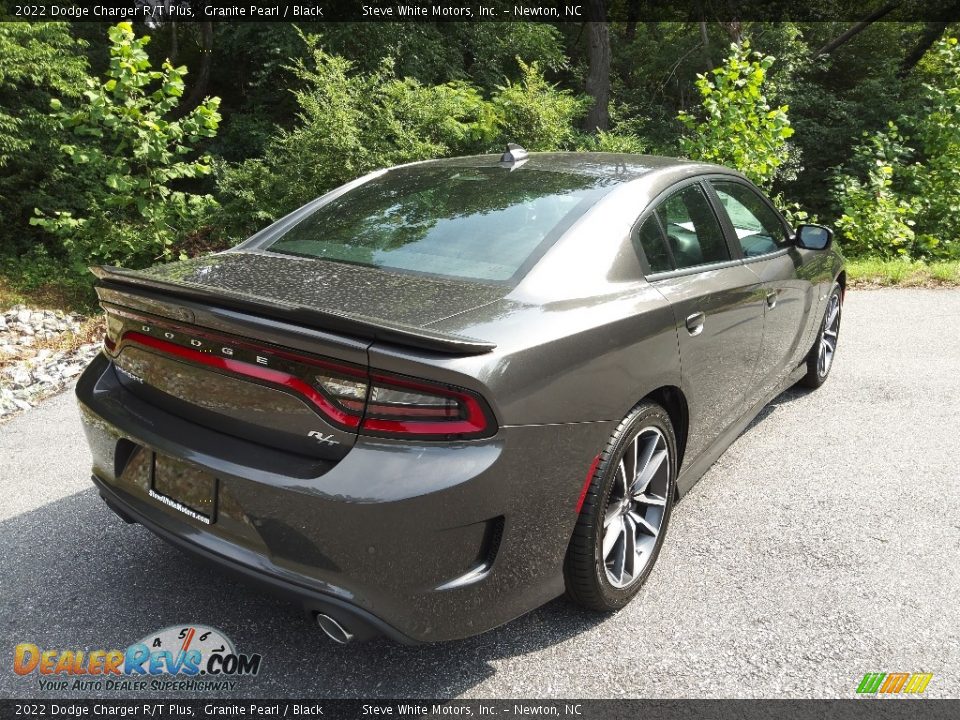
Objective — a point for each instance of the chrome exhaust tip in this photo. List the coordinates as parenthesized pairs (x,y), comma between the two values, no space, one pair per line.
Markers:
(334,630)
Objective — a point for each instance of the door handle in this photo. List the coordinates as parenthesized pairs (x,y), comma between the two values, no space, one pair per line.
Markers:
(695,323)
(772,299)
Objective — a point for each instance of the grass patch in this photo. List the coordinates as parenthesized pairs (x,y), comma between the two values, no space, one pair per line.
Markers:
(871,272)
(68,297)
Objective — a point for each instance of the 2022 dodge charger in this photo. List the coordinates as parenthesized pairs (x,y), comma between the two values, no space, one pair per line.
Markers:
(445,393)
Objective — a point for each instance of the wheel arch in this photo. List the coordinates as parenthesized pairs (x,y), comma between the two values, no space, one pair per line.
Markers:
(672,399)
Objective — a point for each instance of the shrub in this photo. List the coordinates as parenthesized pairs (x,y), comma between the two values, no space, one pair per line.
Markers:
(875,221)
(37,63)
(614,142)
(935,130)
(535,114)
(126,154)
(736,125)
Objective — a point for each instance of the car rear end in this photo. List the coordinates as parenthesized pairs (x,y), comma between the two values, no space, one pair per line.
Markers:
(287,411)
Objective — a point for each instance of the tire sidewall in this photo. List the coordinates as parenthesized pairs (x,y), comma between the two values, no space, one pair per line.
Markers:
(650,415)
(814,378)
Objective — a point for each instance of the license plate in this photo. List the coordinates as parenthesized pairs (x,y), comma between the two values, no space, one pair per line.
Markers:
(181,487)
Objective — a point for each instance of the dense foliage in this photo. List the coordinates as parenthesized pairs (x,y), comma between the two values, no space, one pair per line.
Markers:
(124,152)
(739,128)
(105,159)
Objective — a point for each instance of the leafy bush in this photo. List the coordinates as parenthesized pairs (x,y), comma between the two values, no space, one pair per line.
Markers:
(614,142)
(37,63)
(535,113)
(935,130)
(125,154)
(875,221)
(908,205)
(737,127)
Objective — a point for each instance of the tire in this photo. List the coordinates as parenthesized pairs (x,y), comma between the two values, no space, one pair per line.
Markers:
(821,356)
(603,581)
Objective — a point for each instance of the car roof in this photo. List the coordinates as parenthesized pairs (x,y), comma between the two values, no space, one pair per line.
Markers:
(618,167)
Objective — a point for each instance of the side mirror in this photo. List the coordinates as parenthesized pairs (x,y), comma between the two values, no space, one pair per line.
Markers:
(813,237)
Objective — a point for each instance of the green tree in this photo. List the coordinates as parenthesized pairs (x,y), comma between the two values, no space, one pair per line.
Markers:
(37,63)
(126,156)
(736,124)
(936,133)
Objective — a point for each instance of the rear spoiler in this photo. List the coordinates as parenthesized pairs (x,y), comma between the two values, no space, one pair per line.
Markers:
(357,326)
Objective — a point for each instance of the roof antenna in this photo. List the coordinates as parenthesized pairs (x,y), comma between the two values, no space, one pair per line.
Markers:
(513,154)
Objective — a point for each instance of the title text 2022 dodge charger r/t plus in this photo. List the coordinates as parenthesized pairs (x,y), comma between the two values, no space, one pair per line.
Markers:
(445,393)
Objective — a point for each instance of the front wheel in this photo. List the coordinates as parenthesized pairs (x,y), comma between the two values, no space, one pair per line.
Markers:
(820,359)
(625,512)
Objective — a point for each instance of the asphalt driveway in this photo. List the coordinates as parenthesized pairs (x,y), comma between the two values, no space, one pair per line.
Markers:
(823,545)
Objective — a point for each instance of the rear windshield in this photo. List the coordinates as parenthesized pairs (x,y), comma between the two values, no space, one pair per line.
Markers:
(487,223)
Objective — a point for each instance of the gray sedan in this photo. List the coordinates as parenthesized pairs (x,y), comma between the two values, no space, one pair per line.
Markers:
(447,392)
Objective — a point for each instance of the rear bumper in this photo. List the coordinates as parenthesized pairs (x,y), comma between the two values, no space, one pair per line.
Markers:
(418,542)
(361,623)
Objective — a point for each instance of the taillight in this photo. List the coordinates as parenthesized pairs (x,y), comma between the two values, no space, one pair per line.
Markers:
(393,406)
(401,406)
(371,403)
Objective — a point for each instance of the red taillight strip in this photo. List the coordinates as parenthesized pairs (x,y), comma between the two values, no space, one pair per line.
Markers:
(166,324)
(268,375)
(475,422)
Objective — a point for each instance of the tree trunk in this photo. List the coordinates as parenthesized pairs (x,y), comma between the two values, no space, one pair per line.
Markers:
(174,47)
(705,47)
(598,75)
(932,32)
(199,90)
(855,29)
(633,15)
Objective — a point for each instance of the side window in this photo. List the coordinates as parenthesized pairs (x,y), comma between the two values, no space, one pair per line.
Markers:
(652,245)
(693,231)
(758,228)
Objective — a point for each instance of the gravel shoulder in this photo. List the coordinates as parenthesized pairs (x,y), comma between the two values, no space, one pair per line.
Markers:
(821,546)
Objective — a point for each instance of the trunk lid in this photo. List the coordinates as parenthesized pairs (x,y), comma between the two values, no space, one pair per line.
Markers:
(359,295)
(244,342)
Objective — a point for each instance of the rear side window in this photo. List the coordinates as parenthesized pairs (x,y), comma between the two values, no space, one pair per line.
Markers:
(653,246)
(693,231)
(758,227)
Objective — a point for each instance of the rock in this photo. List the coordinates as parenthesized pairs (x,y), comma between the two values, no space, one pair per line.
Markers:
(23,316)
(27,330)
(20,378)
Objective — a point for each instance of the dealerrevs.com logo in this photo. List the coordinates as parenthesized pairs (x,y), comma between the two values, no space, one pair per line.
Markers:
(192,658)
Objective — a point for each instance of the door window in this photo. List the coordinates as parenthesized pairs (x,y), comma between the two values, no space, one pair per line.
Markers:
(693,231)
(653,246)
(758,227)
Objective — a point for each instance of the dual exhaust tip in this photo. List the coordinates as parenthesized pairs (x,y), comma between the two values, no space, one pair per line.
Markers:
(334,630)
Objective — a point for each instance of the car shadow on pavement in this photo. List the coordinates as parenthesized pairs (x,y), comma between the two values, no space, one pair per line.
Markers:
(75,576)
(785,398)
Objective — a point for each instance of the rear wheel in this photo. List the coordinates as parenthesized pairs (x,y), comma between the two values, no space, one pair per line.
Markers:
(820,359)
(625,512)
